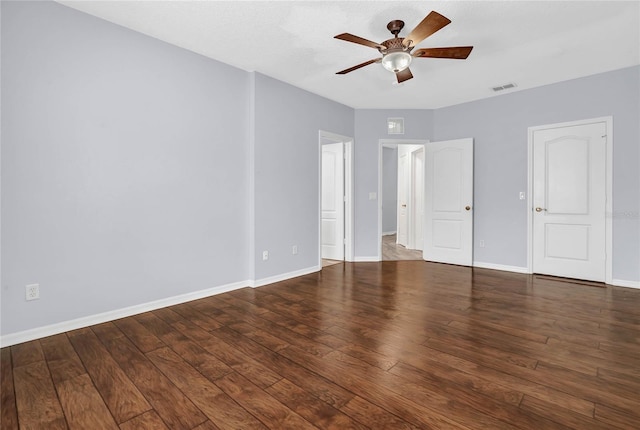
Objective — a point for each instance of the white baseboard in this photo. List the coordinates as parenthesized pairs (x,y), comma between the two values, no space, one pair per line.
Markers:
(505,268)
(285,276)
(374,259)
(388,233)
(624,283)
(61,327)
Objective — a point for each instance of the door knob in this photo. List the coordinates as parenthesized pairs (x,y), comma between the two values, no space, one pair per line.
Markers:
(540,209)
(467,208)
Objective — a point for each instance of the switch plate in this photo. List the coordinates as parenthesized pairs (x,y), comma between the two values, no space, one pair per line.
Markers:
(265,255)
(294,249)
(373,196)
(482,244)
(521,195)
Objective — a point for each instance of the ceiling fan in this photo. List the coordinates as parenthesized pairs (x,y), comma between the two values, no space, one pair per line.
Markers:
(396,52)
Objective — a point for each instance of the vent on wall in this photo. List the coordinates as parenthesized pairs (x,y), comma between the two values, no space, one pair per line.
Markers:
(504,87)
(395,125)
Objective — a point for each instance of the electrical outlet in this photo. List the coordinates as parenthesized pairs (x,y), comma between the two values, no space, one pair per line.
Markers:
(265,255)
(294,249)
(32,291)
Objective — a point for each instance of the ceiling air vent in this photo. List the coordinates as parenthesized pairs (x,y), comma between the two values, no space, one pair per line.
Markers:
(504,87)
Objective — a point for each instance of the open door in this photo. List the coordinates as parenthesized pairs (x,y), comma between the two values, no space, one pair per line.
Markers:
(449,202)
(333,201)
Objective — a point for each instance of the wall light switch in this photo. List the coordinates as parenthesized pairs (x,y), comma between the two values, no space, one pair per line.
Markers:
(265,255)
(521,195)
(373,196)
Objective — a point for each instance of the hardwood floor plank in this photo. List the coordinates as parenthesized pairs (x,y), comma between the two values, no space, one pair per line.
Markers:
(436,414)
(215,404)
(374,416)
(272,413)
(311,408)
(323,388)
(62,359)
(561,415)
(8,411)
(36,399)
(207,364)
(523,379)
(27,353)
(169,402)
(122,397)
(148,421)
(591,388)
(187,311)
(615,418)
(83,406)
(142,338)
(227,353)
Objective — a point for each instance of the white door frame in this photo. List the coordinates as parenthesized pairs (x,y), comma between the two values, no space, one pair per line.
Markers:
(348,192)
(608,120)
(390,143)
(412,225)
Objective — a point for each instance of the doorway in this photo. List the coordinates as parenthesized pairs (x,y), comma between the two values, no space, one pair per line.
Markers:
(570,192)
(335,198)
(401,191)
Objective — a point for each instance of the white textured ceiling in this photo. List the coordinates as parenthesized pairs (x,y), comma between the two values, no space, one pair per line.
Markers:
(530,43)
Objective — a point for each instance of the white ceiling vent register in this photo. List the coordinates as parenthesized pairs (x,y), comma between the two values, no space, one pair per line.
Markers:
(504,87)
(395,125)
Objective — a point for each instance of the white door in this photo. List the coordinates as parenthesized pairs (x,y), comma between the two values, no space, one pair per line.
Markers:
(569,198)
(417,199)
(332,219)
(448,232)
(403,180)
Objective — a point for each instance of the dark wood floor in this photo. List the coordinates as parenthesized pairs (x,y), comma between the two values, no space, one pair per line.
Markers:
(389,345)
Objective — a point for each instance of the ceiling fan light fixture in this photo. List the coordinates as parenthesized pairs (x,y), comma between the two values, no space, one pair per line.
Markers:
(396,61)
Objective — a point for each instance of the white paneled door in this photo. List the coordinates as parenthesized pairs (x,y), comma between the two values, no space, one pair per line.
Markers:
(332,219)
(449,202)
(569,201)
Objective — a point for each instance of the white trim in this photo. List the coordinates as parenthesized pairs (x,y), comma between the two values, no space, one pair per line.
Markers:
(624,283)
(388,233)
(374,259)
(49,330)
(608,120)
(285,276)
(349,219)
(502,267)
(388,143)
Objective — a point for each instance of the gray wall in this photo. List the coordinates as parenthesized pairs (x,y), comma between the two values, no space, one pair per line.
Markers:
(124,167)
(133,170)
(370,127)
(499,127)
(389,189)
(287,175)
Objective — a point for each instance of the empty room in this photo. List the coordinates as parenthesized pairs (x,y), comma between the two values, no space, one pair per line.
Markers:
(319,214)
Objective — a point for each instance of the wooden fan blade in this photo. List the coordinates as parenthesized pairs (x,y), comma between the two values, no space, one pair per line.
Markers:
(432,23)
(458,52)
(351,69)
(359,40)
(404,75)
